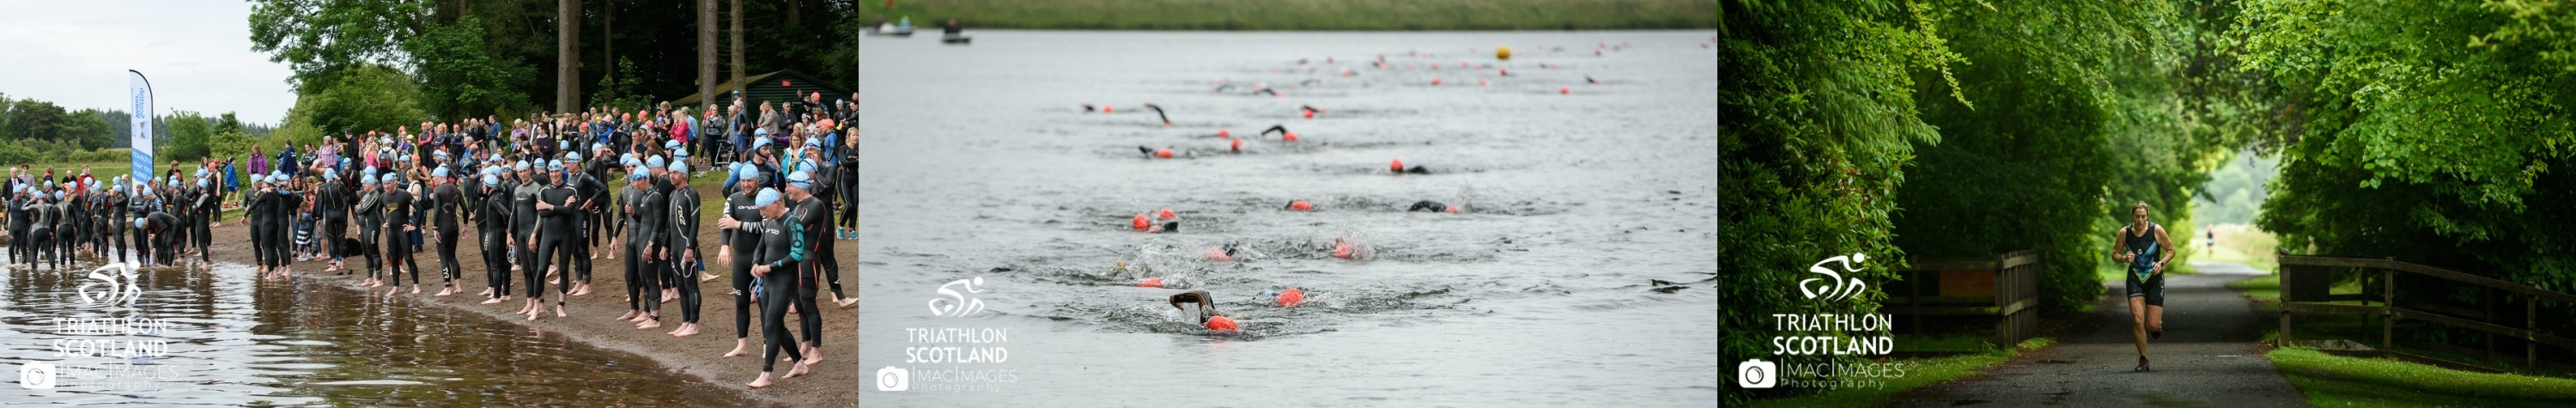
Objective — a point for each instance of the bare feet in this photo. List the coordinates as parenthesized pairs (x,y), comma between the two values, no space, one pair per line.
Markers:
(740,347)
(630,315)
(702,277)
(450,290)
(686,330)
(650,323)
(415,289)
(793,372)
(485,292)
(491,301)
(559,310)
(763,382)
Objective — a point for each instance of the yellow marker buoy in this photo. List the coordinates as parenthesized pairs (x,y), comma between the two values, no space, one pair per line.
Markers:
(1503,53)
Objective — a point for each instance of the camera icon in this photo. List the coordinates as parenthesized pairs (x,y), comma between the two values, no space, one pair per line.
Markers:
(891,378)
(1756,373)
(36,376)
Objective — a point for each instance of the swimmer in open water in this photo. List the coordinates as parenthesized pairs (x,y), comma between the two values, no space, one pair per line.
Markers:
(1428,205)
(1158,112)
(1206,304)
(1284,134)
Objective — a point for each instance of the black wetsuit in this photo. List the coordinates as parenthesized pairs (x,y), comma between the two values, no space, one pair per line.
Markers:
(165,236)
(683,235)
(1427,205)
(556,238)
(778,251)
(447,200)
(399,213)
(807,214)
(18,226)
(371,224)
(589,191)
(262,221)
(523,228)
(651,212)
(116,224)
(205,206)
(332,201)
(743,242)
(492,222)
(41,233)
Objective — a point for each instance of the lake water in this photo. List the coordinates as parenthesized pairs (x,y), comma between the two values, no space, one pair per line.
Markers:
(223,338)
(979,162)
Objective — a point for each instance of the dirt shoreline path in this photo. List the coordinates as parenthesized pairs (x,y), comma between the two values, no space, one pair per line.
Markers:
(834,382)
(2208,357)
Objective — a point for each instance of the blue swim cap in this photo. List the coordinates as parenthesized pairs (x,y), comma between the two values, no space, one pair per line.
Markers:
(367,179)
(680,167)
(522,166)
(554,165)
(491,179)
(201,172)
(654,162)
(369,173)
(766,196)
(563,145)
(746,171)
(201,183)
(570,157)
(635,176)
(393,178)
(760,131)
(139,221)
(760,142)
(441,172)
(801,180)
(671,145)
(327,173)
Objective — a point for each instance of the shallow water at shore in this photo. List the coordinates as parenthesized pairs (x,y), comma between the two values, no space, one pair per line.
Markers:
(222,337)
(979,162)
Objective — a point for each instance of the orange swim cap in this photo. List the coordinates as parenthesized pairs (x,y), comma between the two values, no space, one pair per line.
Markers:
(1107,109)
(1452,209)
(1221,323)
(1141,224)
(1224,134)
(1151,283)
(1301,205)
(1480,82)
(1163,153)
(1342,251)
(1289,136)
(1310,114)
(1564,90)
(1291,298)
(1435,81)
(1238,145)
(1166,215)
(1397,165)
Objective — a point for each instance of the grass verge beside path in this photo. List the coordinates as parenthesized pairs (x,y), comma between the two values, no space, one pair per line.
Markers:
(2337,381)
(1918,373)
(1373,15)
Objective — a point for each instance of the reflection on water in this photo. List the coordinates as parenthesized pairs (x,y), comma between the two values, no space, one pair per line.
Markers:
(223,338)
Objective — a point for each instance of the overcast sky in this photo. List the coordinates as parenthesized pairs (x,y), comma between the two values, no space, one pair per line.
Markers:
(197,54)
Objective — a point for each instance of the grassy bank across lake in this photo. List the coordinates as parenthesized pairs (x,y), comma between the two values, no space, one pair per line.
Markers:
(928,15)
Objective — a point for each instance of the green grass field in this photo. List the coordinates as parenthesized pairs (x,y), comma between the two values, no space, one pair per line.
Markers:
(2336,381)
(1370,15)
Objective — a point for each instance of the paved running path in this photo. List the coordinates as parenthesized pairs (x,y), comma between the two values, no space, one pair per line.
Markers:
(2207,358)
